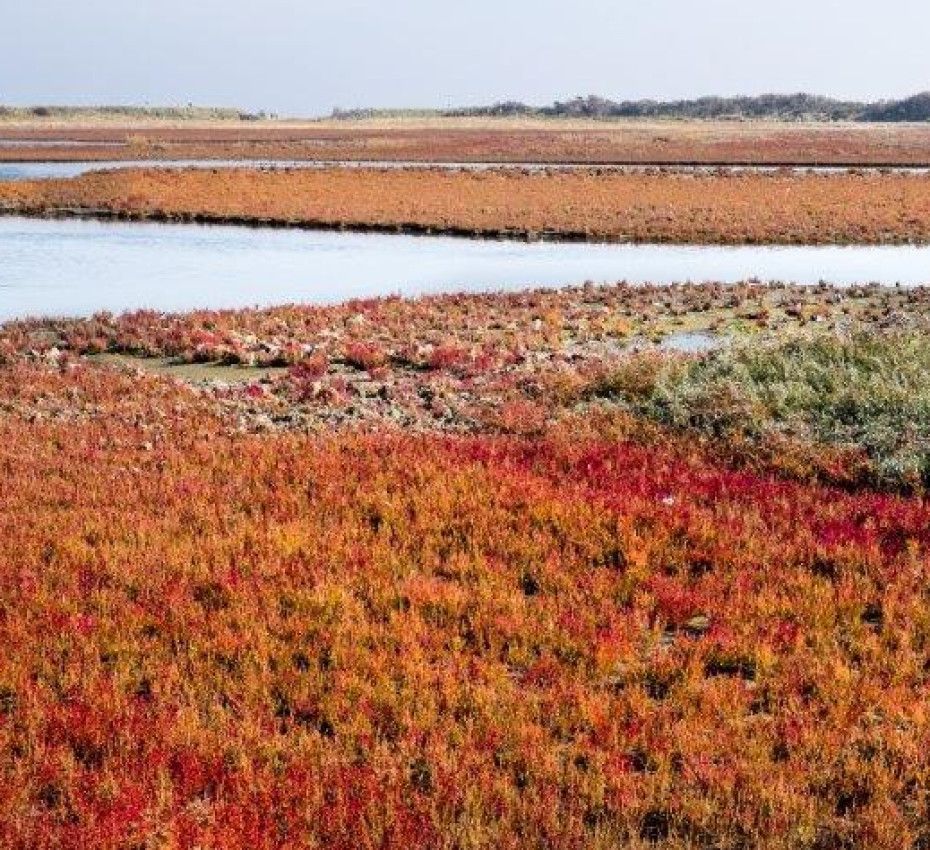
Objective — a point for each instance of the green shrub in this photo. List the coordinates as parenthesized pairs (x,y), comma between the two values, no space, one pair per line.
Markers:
(867,391)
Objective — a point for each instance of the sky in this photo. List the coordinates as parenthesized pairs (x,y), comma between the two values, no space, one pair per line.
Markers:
(305,58)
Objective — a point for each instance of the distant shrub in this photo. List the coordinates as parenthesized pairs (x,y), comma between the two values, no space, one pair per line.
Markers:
(916,108)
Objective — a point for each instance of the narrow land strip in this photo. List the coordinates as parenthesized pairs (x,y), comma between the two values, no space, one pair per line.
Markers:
(481,140)
(739,208)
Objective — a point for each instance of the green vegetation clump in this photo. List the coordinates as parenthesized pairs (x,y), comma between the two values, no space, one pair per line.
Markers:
(866,392)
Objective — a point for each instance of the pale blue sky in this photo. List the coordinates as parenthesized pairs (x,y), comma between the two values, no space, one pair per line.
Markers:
(307,57)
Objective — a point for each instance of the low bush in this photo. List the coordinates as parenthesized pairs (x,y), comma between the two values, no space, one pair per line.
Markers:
(867,392)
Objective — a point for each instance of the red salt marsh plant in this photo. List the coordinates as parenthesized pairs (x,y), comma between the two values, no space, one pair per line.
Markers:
(365,356)
(505,322)
(518,140)
(733,208)
(596,637)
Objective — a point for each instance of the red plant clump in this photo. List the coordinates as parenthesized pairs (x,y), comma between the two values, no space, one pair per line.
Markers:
(363,355)
(581,639)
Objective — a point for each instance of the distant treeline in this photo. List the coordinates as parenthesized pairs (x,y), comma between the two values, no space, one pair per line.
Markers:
(170,113)
(793,107)
(790,107)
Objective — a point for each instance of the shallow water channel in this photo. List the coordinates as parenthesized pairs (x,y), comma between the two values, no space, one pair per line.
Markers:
(77,267)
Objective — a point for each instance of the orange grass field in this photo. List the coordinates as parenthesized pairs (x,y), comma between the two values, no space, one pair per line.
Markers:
(595,633)
(656,207)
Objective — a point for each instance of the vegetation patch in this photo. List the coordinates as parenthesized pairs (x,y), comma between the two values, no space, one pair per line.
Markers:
(576,639)
(484,571)
(616,206)
(867,393)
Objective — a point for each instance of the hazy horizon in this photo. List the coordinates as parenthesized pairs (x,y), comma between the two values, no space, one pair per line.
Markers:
(294,59)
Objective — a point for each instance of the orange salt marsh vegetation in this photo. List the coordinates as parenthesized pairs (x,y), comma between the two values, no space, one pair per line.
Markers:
(537,618)
(480,140)
(728,208)
(215,638)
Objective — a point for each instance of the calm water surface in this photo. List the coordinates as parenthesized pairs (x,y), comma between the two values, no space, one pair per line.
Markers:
(77,267)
